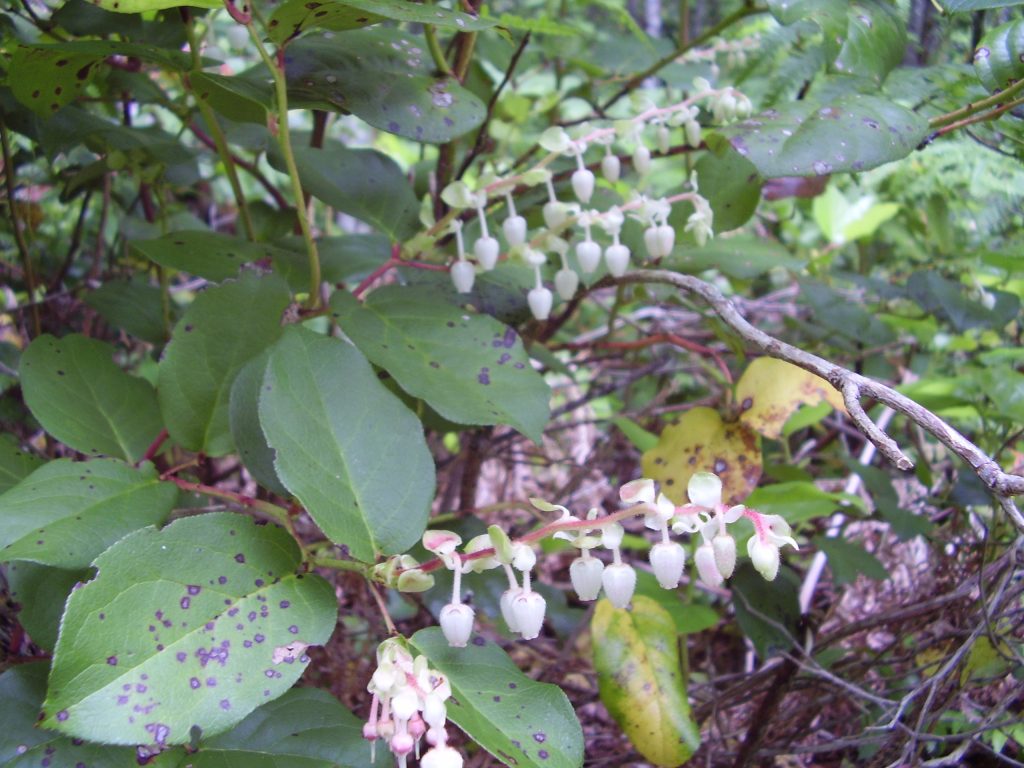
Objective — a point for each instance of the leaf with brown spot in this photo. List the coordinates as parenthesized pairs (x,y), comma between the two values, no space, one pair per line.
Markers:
(770,391)
(699,441)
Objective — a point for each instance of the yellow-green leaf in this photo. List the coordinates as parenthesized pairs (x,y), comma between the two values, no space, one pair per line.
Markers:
(770,391)
(699,441)
(637,661)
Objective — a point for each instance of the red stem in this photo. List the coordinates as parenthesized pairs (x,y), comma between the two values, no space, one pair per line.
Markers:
(387,266)
(155,446)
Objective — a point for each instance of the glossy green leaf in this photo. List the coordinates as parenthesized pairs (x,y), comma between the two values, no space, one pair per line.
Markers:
(293,17)
(854,132)
(15,464)
(847,560)
(305,728)
(82,398)
(767,611)
(949,301)
(222,329)
(730,183)
(352,453)
(243,415)
(876,39)
(999,58)
(470,368)
(689,618)
(385,77)
(236,98)
(185,631)
(360,182)
(23,745)
(521,722)
(67,512)
(743,257)
(133,306)
(141,6)
(967,6)
(211,255)
(829,15)
(796,501)
(636,657)
(40,592)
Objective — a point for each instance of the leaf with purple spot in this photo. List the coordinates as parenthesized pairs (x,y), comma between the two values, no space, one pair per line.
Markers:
(174,625)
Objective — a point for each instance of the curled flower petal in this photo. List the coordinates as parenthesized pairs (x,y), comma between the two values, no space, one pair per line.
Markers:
(705,490)
(441,542)
(638,491)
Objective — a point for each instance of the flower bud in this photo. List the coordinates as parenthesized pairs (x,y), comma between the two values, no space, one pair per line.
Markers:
(528,608)
(617,259)
(463,276)
(533,257)
(692,129)
(724,546)
(555,214)
(436,736)
(402,743)
(486,251)
(589,255)
(707,567)
(583,184)
(416,726)
(566,283)
(619,581)
(765,557)
(652,243)
(585,574)
(667,560)
(540,300)
(457,624)
(405,704)
(434,711)
(514,228)
(611,168)
(441,757)
(370,731)
(507,599)
(666,239)
(642,159)
(663,139)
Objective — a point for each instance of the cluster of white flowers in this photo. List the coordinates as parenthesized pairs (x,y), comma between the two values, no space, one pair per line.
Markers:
(560,216)
(409,705)
(523,608)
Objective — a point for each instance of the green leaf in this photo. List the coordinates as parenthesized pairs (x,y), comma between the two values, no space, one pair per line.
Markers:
(23,745)
(305,728)
(730,183)
(211,255)
(689,618)
(905,524)
(184,631)
(15,464)
(948,300)
(352,453)
(133,306)
(141,6)
(470,368)
(847,560)
(518,720)
(67,512)
(360,182)
(795,501)
(829,15)
(876,38)
(223,329)
(537,24)
(767,611)
(636,657)
(82,398)
(293,17)
(40,591)
(852,133)
(967,6)
(743,257)
(243,415)
(641,439)
(999,58)
(237,98)
(385,77)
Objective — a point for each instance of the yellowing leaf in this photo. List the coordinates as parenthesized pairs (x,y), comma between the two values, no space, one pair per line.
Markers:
(770,391)
(637,663)
(699,441)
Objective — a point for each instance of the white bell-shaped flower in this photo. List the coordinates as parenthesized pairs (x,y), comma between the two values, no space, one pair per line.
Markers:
(589,255)
(441,756)
(405,704)
(666,239)
(402,744)
(611,167)
(707,568)
(616,256)
(724,546)
(692,129)
(434,711)
(463,276)
(555,213)
(667,560)
(619,582)
(585,573)
(486,251)
(664,143)
(528,608)
(457,624)
(566,283)
(764,556)
(507,600)
(514,228)
(705,490)
(583,184)
(642,159)
(652,243)
(641,491)
(540,300)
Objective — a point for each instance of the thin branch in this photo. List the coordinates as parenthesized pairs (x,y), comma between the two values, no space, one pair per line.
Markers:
(853,386)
